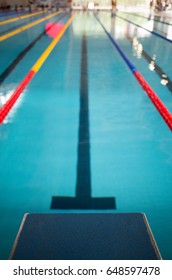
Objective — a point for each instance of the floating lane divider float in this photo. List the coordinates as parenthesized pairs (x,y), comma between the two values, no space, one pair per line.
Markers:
(164,112)
(10,34)
(153,32)
(21,17)
(9,104)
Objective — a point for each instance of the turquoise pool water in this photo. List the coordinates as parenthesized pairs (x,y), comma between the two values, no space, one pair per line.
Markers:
(84,103)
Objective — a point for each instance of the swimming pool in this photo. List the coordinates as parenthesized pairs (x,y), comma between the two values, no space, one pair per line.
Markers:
(84,127)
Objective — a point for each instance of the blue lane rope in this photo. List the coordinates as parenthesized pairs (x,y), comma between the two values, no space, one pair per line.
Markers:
(131,66)
(138,15)
(153,32)
(164,112)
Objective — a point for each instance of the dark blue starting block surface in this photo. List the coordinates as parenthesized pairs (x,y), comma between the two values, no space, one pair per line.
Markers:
(85,237)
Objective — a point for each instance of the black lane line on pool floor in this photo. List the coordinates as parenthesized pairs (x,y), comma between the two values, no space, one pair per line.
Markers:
(83,166)
(21,55)
(83,199)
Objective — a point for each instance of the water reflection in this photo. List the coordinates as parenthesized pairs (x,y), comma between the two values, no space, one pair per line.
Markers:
(152,63)
(155,24)
(137,48)
(6,92)
(138,51)
(163,25)
(164,80)
(113,18)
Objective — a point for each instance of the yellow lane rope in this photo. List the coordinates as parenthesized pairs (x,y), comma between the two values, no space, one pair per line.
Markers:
(10,34)
(20,17)
(46,53)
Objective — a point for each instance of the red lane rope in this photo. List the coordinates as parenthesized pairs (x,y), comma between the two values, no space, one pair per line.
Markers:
(167,116)
(9,104)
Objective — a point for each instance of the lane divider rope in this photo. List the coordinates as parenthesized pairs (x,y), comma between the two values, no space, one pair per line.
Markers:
(11,13)
(21,17)
(4,110)
(164,112)
(156,20)
(153,32)
(22,54)
(10,34)
(158,70)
